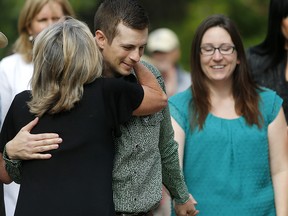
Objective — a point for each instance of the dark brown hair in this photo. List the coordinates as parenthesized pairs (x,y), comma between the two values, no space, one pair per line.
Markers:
(112,12)
(245,91)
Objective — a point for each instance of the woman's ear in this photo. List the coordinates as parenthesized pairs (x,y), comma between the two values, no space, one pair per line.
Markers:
(100,39)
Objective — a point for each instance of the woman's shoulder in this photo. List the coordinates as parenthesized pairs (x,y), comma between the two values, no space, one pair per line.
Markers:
(270,103)
(14,61)
(179,107)
(267,93)
(181,100)
(22,97)
(115,85)
(182,96)
(269,97)
(12,58)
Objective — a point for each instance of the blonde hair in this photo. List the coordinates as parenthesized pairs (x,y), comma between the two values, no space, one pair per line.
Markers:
(30,9)
(65,58)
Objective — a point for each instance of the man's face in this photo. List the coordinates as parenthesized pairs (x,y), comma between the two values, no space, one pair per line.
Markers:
(125,50)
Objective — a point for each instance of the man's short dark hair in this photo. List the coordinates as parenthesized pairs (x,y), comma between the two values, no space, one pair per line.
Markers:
(112,12)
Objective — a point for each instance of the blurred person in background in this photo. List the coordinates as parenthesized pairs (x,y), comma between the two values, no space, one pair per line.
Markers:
(16,70)
(3,43)
(269,59)
(164,51)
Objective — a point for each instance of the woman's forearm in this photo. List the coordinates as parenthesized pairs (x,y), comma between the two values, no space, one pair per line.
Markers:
(155,98)
(280,184)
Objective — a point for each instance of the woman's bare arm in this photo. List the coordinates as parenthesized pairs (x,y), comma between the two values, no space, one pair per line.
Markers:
(278,151)
(155,98)
(27,146)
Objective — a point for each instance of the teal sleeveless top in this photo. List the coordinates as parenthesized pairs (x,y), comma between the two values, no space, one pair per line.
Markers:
(226,165)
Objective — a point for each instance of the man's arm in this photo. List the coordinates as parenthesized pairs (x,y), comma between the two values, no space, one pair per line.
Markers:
(171,172)
(4,177)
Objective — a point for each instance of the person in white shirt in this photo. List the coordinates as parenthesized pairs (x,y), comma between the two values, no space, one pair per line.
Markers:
(3,43)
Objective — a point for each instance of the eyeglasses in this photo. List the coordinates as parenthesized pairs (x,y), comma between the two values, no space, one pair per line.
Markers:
(224,49)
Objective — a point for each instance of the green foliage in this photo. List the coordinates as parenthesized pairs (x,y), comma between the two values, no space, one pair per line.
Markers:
(249,15)
(8,22)
(164,12)
(182,16)
(85,10)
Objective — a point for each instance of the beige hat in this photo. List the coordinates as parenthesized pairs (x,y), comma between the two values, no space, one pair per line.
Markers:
(3,40)
(163,40)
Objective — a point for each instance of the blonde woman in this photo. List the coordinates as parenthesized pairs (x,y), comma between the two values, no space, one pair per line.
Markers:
(16,69)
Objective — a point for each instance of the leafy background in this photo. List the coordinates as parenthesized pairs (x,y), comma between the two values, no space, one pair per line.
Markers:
(182,16)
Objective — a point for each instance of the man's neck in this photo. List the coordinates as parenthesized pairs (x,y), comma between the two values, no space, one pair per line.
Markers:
(109,73)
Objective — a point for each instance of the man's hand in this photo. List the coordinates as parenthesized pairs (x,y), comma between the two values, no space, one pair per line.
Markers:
(26,146)
(186,209)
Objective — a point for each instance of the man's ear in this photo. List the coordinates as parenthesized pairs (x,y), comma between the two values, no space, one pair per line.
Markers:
(100,39)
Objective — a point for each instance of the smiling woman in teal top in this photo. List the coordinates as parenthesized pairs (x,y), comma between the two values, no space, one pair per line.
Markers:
(232,134)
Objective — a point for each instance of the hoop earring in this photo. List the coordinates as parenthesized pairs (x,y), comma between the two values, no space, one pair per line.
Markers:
(30,38)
